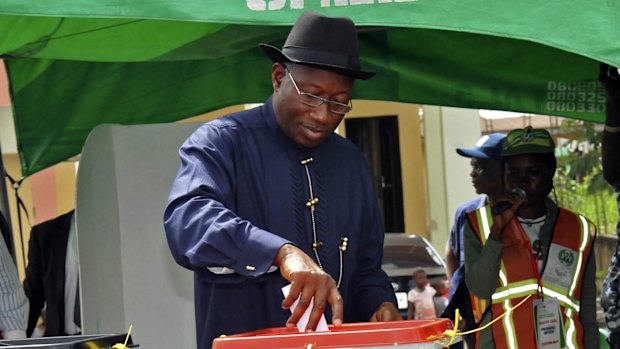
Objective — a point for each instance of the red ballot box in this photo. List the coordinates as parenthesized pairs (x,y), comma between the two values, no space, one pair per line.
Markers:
(418,334)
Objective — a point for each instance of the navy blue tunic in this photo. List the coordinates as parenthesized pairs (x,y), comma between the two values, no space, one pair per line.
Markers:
(241,193)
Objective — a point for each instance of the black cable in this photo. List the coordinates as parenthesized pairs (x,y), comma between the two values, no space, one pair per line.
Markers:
(20,206)
(5,232)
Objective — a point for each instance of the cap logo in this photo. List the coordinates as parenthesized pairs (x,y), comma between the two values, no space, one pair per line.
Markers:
(482,140)
(528,141)
(527,137)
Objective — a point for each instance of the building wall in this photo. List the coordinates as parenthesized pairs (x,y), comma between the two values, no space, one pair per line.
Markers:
(449,183)
(412,157)
(4,86)
(46,195)
(12,167)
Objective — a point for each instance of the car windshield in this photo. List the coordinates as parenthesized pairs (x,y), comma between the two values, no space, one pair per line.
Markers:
(409,256)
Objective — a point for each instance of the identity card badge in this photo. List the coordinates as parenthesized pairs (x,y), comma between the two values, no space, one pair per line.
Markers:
(549,326)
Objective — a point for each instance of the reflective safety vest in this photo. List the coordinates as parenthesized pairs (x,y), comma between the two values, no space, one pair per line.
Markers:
(571,243)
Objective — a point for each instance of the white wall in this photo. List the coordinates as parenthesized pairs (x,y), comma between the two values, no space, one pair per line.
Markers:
(464,131)
(449,183)
(7,130)
(128,275)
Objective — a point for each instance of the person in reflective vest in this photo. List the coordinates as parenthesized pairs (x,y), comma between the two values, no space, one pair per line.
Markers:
(529,259)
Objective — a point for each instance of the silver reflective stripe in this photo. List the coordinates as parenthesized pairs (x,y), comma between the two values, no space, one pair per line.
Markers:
(524,290)
(569,303)
(585,234)
(485,222)
(571,328)
(515,292)
(509,326)
(502,277)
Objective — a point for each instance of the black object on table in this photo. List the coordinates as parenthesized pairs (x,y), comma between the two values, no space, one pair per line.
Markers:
(101,341)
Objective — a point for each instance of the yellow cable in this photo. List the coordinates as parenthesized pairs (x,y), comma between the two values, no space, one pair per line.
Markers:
(455,332)
(457,317)
(123,346)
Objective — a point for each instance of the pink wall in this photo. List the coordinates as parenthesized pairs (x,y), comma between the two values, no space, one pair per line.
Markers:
(4,86)
(44,202)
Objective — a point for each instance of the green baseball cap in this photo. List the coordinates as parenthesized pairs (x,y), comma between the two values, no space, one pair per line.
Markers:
(528,141)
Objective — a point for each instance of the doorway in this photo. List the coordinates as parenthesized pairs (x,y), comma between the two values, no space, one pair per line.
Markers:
(378,139)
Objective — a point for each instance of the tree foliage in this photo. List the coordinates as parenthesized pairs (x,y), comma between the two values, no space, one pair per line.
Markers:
(579,183)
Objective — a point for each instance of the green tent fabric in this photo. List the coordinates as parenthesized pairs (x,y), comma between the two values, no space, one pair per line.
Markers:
(74,64)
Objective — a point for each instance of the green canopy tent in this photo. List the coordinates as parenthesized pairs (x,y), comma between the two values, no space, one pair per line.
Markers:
(74,64)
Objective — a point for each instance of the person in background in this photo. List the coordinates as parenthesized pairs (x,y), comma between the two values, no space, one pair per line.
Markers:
(610,292)
(529,259)
(272,196)
(486,178)
(52,277)
(420,298)
(440,299)
(13,301)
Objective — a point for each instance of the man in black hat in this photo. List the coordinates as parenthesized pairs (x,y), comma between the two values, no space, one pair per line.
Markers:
(271,196)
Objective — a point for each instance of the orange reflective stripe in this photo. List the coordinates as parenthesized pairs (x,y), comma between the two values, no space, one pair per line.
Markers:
(478,306)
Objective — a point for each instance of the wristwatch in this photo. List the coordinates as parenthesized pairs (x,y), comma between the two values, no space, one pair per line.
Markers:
(613,73)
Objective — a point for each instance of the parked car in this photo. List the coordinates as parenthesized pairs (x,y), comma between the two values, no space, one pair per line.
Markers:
(402,253)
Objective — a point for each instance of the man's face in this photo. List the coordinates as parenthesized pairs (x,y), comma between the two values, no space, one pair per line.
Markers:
(308,126)
(530,173)
(486,175)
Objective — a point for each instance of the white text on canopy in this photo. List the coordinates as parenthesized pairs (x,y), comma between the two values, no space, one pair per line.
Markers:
(272,5)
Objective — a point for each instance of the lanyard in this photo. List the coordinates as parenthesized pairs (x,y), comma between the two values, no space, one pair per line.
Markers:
(533,257)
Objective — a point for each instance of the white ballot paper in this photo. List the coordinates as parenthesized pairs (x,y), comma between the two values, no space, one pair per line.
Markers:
(303,321)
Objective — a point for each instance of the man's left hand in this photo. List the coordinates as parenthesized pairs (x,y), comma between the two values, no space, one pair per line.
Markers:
(386,312)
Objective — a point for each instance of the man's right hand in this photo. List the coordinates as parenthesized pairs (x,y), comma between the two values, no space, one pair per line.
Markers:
(311,282)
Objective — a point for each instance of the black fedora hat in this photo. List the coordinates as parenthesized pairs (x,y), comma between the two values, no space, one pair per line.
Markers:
(328,43)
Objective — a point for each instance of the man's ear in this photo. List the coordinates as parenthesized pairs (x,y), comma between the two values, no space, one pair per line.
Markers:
(278,71)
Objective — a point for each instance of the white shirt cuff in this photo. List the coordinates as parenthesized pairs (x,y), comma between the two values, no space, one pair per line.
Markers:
(15,334)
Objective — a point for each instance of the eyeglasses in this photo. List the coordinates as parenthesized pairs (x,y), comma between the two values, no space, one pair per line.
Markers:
(314,101)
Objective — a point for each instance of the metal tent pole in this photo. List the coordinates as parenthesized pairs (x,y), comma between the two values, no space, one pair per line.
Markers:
(5,212)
